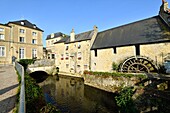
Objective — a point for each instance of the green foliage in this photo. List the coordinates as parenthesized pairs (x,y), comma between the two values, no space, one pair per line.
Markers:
(26,62)
(49,108)
(116,74)
(33,95)
(125,102)
(114,66)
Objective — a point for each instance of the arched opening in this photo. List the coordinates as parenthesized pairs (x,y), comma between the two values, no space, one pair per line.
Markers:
(39,76)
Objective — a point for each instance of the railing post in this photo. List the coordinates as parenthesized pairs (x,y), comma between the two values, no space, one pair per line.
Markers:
(22,107)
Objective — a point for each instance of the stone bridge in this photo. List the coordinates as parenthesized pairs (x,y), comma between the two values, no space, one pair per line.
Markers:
(46,65)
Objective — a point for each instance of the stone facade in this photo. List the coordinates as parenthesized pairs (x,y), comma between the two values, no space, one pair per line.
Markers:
(50,46)
(72,53)
(5,44)
(105,57)
(23,40)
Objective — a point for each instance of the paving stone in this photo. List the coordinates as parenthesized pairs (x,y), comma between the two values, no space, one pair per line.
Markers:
(8,88)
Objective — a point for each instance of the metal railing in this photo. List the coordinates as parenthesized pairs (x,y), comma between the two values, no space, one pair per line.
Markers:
(20,69)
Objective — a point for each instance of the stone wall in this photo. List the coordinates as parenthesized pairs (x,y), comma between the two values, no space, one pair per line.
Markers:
(110,83)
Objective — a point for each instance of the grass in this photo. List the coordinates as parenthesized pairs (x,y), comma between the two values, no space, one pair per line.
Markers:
(114,74)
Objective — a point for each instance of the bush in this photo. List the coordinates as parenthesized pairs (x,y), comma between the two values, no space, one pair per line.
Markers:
(26,62)
(125,102)
(114,66)
(33,95)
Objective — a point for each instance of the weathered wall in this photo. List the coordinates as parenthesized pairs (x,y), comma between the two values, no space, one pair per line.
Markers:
(27,44)
(110,83)
(105,57)
(5,43)
(156,52)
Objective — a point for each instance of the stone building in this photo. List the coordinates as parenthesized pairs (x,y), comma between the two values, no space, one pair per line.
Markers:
(73,52)
(20,40)
(140,46)
(50,40)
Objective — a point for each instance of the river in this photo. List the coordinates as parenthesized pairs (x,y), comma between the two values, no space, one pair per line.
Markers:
(71,95)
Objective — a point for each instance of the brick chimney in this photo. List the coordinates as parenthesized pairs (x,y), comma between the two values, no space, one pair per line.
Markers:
(72,36)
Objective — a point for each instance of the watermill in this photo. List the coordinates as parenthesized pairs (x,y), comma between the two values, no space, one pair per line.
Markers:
(138,64)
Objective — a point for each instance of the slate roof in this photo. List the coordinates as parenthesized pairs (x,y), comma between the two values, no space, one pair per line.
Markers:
(63,40)
(151,30)
(58,34)
(4,25)
(82,36)
(26,24)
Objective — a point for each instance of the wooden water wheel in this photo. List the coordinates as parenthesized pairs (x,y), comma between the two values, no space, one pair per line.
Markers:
(138,64)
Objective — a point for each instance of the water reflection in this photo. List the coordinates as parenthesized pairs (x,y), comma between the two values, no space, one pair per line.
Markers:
(72,96)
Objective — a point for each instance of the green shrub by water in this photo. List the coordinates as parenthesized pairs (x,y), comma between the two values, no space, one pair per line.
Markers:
(125,102)
(26,62)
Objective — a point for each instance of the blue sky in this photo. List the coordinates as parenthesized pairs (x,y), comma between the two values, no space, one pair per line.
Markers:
(63,15)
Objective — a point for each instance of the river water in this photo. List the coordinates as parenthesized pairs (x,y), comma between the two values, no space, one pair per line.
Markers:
(71,95)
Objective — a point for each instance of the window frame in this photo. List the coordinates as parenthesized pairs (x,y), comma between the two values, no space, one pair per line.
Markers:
(34,53)
(21,53)
(34,41)
(2,51)
(2,37)
(22,31)
(2,29)
(20,39)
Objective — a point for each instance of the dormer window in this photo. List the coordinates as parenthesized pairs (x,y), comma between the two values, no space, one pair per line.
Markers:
(22,23)
(34,26)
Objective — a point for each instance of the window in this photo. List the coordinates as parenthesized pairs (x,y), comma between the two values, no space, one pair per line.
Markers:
(21,53)
(2,51)
(79,55)
(34,34)
(137,47)
(52,42)
(34,41)
(114,50)
(22,23)
(62,56)
(34,53)
(66,47)
(79,45)
(53,56)
(2,37)
(67,65)
(21,39)
(95,53)
(85,67)
(48,56)
(1,29)
(67,56)
(22,31)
